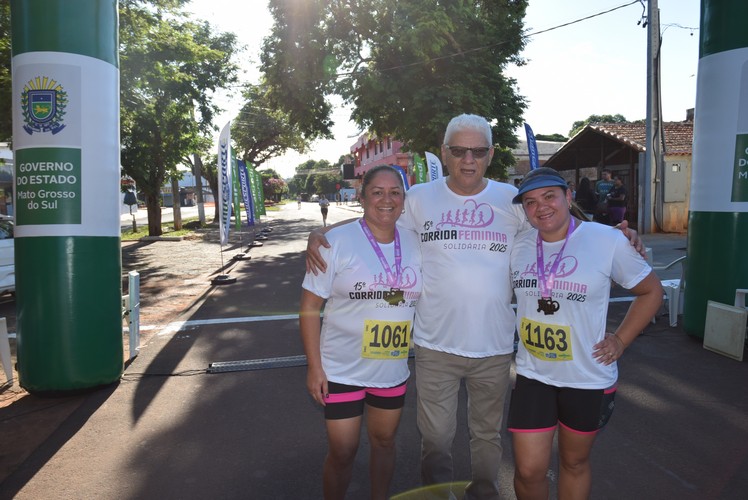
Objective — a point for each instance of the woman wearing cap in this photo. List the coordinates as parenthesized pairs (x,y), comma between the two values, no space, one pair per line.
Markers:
(566,362)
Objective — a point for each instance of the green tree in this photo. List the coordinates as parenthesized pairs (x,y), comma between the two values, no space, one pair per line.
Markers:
(307,165)
(309,184)
(501,161)
(551,137)
(312,177)
(170,67)
(273,184)
(208,163)
(6,99)
(579,125)
(296,185)
(325,183)
(405,66)
(261,132)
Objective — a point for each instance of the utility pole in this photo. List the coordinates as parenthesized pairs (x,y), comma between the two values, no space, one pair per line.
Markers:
(654,151)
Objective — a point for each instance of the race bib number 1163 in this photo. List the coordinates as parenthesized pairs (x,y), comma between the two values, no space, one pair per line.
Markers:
(545,341)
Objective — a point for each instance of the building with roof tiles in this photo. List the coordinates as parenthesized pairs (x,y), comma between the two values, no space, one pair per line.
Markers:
(546,149)
(620,148)
(370,151)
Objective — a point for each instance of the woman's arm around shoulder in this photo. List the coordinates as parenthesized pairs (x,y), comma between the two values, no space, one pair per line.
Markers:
(314,261)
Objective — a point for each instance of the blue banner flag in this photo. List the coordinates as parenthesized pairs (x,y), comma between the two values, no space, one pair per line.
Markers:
(246,192)
(224,182)
(403,174)
(532,148)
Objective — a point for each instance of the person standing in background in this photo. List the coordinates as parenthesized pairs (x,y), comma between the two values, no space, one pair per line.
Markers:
(324,205)
(617,199)
(586,198)
(602,187)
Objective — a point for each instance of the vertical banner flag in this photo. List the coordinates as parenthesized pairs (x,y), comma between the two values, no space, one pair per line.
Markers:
(419,168)
(403,174)
(224,182)
(249,207)
(532,148)
(258,195)
(236,193)
(435,166)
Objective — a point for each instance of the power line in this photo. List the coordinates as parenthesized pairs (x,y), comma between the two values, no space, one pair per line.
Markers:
(581,19)
(485,47)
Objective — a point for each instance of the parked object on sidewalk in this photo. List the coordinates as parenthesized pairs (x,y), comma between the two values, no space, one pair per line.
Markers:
(5,352)
(131,312)
(674,289)
(724,330)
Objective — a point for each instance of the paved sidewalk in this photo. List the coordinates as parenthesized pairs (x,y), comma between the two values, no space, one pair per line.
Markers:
(172,429)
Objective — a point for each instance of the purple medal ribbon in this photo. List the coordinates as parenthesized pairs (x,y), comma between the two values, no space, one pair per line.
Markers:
(393,280)
(546,283)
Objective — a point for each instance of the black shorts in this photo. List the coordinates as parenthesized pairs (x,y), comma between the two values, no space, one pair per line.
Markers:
(347,401)
(539,407)
(324,210)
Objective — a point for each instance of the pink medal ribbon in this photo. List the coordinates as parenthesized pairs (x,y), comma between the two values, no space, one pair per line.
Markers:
(545,283)
(393,279)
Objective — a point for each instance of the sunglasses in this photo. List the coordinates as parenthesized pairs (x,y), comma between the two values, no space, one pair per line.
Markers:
(460,151)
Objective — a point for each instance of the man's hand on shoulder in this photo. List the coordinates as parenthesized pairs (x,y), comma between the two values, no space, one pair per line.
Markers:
(314,261)
(633,237)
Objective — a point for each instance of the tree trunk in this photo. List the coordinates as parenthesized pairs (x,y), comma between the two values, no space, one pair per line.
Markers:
(153,205)
(214,190)
(176,204)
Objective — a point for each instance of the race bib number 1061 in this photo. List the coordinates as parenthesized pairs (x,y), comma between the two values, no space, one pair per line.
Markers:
(386,339)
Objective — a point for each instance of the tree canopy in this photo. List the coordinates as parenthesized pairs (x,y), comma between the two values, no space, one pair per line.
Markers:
(169,68)
(579,125)
(273,184)
(262,132)
(317,176)
(551,137)
(406,66)
(6,99)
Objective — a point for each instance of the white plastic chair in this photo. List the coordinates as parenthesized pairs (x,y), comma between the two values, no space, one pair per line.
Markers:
(673,290)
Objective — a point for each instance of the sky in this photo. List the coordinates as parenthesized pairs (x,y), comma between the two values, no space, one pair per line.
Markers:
(594,66)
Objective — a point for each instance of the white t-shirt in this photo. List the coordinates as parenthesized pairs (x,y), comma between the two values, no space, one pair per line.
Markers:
(465,307)
(562,342)
(360,300)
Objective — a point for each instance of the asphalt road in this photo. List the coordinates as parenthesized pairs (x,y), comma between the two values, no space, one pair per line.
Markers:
(172,428)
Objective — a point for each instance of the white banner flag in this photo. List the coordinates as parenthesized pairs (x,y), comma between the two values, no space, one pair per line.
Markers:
(434,166)
(224,182)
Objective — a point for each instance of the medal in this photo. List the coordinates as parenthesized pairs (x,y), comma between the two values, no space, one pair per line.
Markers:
(545,283)
(548,305)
